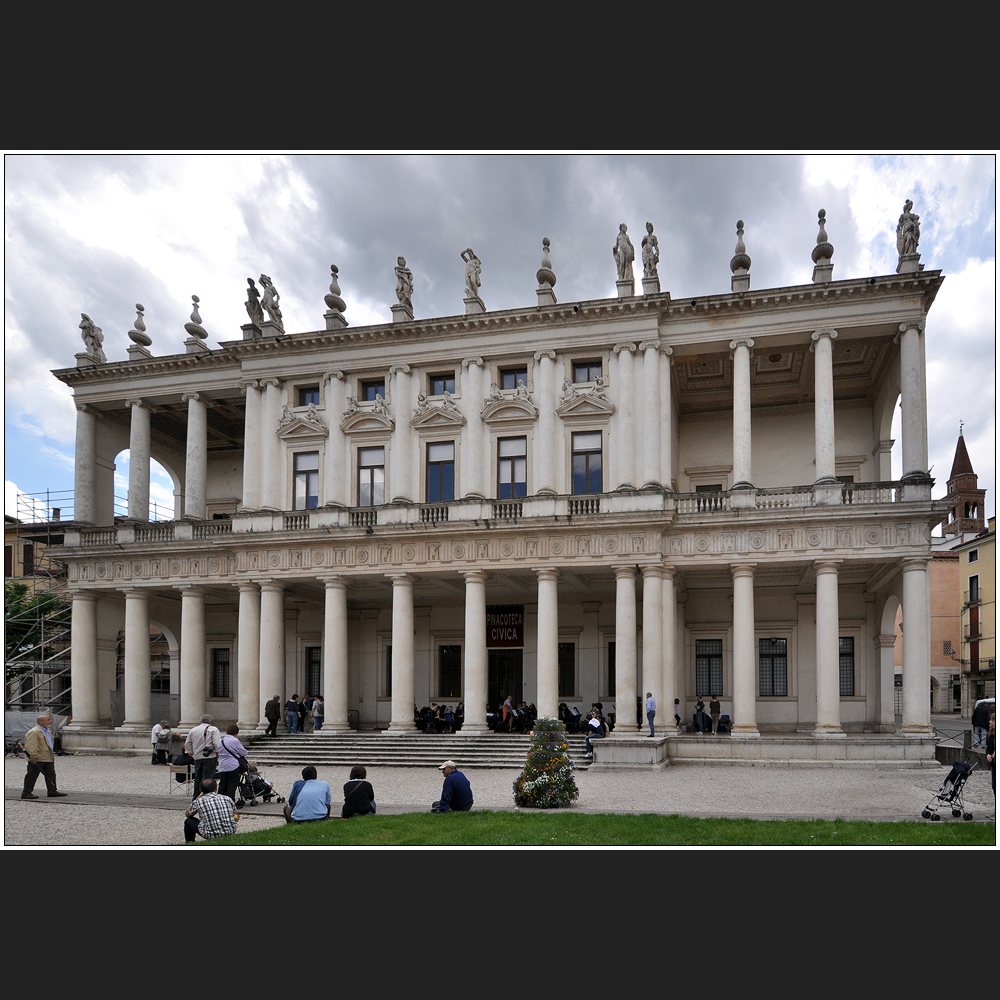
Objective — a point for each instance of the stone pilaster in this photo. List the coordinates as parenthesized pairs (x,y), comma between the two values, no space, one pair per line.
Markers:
(827,649)
(744,658)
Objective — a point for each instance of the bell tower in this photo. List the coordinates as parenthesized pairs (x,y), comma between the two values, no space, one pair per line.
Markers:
(967,500)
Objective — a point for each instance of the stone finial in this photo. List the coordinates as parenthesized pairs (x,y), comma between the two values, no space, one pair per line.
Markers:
(403,309)
(270,303)
(545,277)
(473,268)
(740,264)
(335,305)
(93,338)
(822,252)
(138,333)
(907,240)
(194,327)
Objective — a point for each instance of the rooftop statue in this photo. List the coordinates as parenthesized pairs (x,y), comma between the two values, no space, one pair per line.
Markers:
(270,302)
(624,253)
(404,283)
(473,268)
(93,338)
(907,230)
(650,252)
(252,303)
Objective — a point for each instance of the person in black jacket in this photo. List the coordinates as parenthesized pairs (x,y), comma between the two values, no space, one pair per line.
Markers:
(359,796)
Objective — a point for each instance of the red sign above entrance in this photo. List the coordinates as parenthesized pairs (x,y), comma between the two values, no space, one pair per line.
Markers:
(505,625)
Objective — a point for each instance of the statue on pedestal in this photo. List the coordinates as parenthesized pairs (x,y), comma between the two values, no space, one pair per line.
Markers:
(624,253)
(907,230)
(93,338)
(404,283)
(650,252)
(252,304)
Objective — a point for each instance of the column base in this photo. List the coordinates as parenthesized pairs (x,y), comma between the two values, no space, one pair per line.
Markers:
(335,727)
(826,494)
(401,730)
(823,732)
(744,732)
(916,729)
(134,727)
(474,729)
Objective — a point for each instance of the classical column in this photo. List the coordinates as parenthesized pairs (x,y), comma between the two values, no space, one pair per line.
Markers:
(83,660)
(85,468)
(271,493)
(402,655)
(272,643)
(138,462)
(547,688)
(885,651)
(252,459)
(651,472)
(251,704)
(401,479)
(652,641)
(335,655)
(914,402)
(826,450)
(136,659)
(827,649)
(916,648)
(625,651)
(670,688)
(625,450)
(476,657)
(192,654)
(742,474)
(476,451)
(666,420)
(545,470)
(335,468)
(196,460)
(744,659)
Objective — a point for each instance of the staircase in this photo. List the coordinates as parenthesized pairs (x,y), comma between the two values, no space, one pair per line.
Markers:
(375,749)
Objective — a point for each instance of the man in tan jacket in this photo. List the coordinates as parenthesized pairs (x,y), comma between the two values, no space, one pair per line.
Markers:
(41,759)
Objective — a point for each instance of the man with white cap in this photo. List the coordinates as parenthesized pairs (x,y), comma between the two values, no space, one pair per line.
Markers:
(456,795)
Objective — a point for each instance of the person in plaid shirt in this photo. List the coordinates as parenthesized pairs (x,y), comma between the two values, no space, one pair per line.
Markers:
(210,814)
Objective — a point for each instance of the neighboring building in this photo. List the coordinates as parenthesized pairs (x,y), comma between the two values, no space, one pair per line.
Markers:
(574,502)
(978,581)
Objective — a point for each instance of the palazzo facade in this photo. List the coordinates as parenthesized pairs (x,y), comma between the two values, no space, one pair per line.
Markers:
(566,502)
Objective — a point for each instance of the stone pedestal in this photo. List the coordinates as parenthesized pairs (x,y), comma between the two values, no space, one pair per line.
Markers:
(136,352)
(546,296)
(474,305)
(250,331)
(334,321)
(401,313)
(195,345)
(823,272)
(909,262)
(650,286)
(626,288)
(85,360)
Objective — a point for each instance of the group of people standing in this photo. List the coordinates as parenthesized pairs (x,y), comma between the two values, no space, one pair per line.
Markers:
(439,718)
(301,716)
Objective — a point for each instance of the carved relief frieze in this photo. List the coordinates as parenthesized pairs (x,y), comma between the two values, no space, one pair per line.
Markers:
(845,538)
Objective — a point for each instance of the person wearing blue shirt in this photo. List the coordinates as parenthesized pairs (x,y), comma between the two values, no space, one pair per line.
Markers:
(456,795)
(309,800)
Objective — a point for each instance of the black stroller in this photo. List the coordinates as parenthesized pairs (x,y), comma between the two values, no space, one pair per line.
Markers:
(951,793)
(252,787)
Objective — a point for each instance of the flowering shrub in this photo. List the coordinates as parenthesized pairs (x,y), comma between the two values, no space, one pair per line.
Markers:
(547,779)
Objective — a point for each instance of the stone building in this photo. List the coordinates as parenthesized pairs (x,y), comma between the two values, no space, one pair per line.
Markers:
(564,502)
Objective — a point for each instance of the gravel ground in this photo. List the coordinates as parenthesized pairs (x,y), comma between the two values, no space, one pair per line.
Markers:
(756,792)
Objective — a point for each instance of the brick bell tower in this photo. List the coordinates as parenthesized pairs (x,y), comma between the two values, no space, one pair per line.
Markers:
(967,500)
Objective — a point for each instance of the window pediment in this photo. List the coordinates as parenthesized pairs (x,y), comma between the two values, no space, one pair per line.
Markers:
(586,406)
(444,416)
(302,425)
(509,409)
(361,421)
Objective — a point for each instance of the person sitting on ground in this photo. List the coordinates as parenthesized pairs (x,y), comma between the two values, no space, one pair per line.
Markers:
(359,796)
(210,814)
(456,795)
(309,799)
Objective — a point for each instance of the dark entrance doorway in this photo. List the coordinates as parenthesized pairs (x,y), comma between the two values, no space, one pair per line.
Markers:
(506,676)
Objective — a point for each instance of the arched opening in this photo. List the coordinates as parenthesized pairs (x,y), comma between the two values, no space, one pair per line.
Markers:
(165,489)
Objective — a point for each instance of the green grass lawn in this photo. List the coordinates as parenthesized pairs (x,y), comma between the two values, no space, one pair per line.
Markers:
(568,829)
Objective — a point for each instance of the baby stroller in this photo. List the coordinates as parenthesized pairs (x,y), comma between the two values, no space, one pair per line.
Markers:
(951,793)
(252,786)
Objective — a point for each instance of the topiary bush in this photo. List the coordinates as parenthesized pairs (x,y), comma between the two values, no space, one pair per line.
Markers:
(547,779)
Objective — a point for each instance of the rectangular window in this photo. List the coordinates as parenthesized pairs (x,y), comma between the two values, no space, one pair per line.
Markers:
(587,371)
(973,585)
(567,670)
(587,475)
(449,671)
(306,480)
(371,389)
(772,657)
(440,384)
(846,666)
(371,477)
(511,377)
(441,472)
(314,667)
(220,674)
(612,676)
(708,667)
(8,560)
(28,561)
(308,394)
(512,468)
(973,555)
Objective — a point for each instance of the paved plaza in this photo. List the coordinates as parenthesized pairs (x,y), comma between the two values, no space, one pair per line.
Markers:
(124,802)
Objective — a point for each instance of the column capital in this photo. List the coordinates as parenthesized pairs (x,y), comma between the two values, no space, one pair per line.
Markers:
(743,569)
(246,383)
(649,345)
(190,588)
(913,324)
(884,641)
(551,355)
(669,572)
(618,348)
(276,382)
(272,586)
(549,573)
(86,408)
(654,572)
(399,578)
(393,369)
(916,563)
(468,362)
(136,401)
(334,374)
(667,351)
(818,334)
(334,582)
(476,576)
(196,396)
(827,565)
(134,592)
(247,586)
(624,572)
(78,594)
(741,342)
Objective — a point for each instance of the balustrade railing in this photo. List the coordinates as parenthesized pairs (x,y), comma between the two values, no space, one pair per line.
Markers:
(508,511)
(585,505)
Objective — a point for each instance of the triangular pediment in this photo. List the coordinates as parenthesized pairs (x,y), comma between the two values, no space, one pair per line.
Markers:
(585,406)
(300,427)
(513,408)
(437,418)
(361,421)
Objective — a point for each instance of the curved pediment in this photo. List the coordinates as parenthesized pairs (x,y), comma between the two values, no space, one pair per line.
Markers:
(586,406)
(509,409)
(360,421)
(437,418)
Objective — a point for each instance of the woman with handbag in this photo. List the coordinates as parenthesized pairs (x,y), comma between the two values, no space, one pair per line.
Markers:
(232,762)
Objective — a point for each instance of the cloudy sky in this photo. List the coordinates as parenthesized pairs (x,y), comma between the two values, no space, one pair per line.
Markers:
(99,233)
